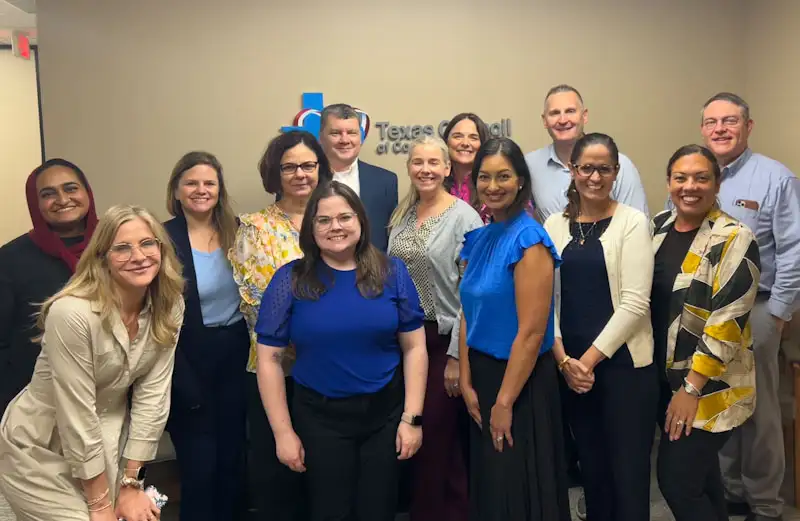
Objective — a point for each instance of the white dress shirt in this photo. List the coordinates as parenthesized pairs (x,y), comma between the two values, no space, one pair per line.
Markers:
(350,178)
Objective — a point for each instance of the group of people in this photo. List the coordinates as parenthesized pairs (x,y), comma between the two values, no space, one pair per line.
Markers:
(524,312)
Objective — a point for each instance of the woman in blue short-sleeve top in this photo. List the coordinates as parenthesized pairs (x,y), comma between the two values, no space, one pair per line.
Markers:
(508,376)
(355,320)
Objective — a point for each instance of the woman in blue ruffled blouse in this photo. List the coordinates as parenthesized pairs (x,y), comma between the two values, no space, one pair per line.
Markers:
(508,375)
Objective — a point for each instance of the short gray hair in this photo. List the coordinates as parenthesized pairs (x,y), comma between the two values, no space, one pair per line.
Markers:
(338,111)
(730,98)
(562,87)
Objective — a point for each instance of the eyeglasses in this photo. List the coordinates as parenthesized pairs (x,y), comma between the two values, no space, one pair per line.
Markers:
(587,170)
(123,251)
(324,222)
(727,122)
(291,168)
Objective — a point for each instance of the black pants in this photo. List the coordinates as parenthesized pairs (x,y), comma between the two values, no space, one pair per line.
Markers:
(614,426)
(276,491)
(351,460)
(688,471)
(210,442)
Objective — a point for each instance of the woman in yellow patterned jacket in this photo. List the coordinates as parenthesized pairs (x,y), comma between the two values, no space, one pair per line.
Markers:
(705,283)
(290,169)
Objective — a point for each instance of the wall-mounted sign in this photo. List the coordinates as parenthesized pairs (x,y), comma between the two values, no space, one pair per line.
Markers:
(20,45)
(308,118)
(394,139)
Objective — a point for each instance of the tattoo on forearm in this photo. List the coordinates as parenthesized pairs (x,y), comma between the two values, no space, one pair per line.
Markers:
(277,356)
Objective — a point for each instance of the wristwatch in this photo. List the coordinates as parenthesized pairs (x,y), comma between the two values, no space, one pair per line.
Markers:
(137,482)
(690,389)
(412,419)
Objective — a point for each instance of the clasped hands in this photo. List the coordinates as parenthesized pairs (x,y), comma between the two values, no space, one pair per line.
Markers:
(579,373)
(578,376)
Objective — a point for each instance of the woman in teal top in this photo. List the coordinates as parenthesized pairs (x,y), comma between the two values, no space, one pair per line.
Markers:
(508,375)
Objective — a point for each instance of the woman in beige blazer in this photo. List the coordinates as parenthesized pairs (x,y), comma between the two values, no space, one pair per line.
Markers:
(71,448)
(604,339)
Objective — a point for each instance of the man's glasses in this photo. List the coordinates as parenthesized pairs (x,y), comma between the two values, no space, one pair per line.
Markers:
(291,168)
(588,170)
(324,222)
(727,122)
(123,251)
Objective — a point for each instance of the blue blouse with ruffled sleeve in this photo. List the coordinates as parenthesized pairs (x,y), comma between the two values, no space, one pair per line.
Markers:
(346,343)
(487,289)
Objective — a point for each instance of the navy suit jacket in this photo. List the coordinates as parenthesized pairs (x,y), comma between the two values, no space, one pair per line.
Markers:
(378,188)
(198,360)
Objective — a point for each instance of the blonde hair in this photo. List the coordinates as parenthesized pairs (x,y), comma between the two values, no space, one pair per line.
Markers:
(223,218)
(412,196)
(92,279)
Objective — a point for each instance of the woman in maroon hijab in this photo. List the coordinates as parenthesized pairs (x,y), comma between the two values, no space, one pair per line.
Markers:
(34,266)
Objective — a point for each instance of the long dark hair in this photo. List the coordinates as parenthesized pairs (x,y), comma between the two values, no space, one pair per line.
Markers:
(483,135)
(372,265)
(688,150)
(573,209)
(510,150)
(269,166)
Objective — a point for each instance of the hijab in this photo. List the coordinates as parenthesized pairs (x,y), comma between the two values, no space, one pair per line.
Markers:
(42,234)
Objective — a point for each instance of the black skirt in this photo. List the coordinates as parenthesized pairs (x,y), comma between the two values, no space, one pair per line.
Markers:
(526,482)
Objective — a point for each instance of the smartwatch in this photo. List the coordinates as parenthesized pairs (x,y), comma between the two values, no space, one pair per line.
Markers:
(135,482)
(412,419)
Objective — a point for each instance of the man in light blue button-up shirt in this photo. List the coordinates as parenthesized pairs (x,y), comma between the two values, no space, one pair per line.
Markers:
(763,194)
(564,117)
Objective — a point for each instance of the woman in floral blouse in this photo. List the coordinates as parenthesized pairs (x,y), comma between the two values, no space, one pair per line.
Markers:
(290,169)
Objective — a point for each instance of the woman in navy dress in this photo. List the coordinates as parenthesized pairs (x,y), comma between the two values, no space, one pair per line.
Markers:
(508,375)
(354,318)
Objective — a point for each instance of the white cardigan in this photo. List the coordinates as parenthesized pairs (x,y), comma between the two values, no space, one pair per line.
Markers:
(628,251)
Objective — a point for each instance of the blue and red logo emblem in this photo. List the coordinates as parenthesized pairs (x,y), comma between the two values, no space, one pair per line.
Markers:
(308,118)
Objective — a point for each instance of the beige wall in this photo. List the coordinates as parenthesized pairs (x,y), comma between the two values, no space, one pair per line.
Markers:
(130,86)
(20,147)
(773,79)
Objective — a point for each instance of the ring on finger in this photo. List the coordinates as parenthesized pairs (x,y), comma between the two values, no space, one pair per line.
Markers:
(680,422)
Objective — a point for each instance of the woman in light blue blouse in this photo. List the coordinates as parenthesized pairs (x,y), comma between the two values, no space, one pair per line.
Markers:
(354,318)
(508,376)
(207,417)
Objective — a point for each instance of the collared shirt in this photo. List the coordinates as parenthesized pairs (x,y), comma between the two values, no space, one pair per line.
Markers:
(550,179)
(350,177)
(765,195)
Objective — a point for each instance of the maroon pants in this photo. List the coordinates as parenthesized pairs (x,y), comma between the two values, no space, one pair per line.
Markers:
(439,477)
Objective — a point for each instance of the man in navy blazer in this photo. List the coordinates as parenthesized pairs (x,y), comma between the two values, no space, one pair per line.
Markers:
(340,137)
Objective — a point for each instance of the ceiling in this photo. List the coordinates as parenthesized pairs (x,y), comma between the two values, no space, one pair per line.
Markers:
(17,15)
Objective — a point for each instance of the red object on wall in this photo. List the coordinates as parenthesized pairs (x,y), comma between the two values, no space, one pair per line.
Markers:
(21,45)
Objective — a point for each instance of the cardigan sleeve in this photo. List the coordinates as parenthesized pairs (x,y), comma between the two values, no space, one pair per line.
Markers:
(635,273)
(553,226)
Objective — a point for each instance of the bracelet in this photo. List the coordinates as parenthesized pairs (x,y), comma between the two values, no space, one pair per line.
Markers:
(93,502)
(690,388)
(135,471)
(100,509)
(563,361)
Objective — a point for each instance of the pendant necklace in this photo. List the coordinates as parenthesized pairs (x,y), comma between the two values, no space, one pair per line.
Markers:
(587,234)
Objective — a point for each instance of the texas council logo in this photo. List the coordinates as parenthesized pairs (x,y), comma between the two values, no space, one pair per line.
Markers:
(308,118)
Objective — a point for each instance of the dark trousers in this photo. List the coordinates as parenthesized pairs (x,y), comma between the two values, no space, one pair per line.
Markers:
(614,425)
(688,471)
(276,491)
(351,458)
(439,477)
(210,441)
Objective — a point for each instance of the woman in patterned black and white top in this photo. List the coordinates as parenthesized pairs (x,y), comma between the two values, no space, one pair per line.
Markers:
(427,231)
